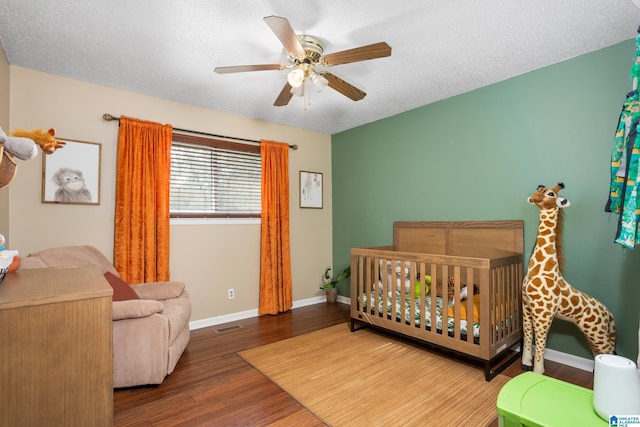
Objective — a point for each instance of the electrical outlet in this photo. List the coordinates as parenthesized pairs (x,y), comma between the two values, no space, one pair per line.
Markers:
(231,293)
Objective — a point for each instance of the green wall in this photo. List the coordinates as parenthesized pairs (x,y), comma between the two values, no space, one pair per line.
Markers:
(479,155)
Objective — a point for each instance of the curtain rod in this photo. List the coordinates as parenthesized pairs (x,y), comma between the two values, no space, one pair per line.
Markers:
(108,117)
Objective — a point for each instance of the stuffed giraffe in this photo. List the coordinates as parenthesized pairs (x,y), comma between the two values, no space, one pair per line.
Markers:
(546,295)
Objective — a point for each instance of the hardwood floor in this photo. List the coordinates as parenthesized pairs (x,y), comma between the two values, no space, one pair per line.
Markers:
(213,386)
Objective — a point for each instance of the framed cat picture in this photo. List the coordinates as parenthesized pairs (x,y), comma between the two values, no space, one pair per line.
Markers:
(71,175)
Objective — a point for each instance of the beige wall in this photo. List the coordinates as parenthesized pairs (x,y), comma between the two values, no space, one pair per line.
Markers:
(208,258)
(4,123)
(4,89)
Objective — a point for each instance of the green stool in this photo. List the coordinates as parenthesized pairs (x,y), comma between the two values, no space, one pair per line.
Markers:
(534,400)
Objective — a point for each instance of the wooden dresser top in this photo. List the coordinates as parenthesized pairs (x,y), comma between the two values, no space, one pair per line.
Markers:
(28,287)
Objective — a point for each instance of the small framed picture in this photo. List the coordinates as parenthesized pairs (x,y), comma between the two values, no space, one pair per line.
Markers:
(310,190)
(71,174)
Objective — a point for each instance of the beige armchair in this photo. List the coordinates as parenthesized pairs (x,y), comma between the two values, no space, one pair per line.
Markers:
(150,331)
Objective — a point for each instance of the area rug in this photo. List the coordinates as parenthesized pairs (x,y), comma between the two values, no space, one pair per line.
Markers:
(367,378)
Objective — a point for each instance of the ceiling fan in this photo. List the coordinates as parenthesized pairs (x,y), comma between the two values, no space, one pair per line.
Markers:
(304,54)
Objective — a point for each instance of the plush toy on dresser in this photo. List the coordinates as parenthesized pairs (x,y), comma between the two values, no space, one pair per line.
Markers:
(9,260)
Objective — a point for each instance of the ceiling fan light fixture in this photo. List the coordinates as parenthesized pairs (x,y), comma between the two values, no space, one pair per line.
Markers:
(298,91)
(296,77)
(319,81)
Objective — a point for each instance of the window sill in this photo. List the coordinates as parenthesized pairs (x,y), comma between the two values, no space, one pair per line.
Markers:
(214,221)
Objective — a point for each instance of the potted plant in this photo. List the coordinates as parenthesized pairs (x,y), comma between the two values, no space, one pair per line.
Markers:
(329,284)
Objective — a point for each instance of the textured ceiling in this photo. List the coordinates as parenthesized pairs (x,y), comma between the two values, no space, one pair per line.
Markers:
(169,48)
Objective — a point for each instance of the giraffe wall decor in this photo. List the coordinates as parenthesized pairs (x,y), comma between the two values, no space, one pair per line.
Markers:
(546,294)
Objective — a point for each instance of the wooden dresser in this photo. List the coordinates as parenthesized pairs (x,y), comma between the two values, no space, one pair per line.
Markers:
(56,360)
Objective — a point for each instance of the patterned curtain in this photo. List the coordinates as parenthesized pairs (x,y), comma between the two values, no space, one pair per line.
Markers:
(141,247)
(275,258)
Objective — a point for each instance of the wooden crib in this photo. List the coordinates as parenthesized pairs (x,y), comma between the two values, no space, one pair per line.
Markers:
(388,287)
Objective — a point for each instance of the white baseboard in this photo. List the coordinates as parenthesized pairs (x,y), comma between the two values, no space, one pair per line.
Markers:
(566,359)
(569,359)
(212,321)
(549,354)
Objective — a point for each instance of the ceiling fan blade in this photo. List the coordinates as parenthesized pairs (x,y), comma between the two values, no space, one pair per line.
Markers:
(283,30)
(284,97)
(348,90)
(362,53)
(244,68)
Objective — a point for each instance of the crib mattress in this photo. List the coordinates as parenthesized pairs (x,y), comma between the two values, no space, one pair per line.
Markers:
(397,311)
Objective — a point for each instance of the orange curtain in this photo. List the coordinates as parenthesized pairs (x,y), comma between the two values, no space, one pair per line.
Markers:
(275,258)
(141,247)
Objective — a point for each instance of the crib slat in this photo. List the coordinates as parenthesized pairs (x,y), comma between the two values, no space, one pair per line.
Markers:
(374,285)
(469,302)
(456,301)
(423,297)
(433,296)
(496,314)
(363,282)
(394,300)
(486,294)
(399,280)
(498,308)
(412,294)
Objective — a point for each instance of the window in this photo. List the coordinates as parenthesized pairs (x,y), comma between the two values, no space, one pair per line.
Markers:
(212,178)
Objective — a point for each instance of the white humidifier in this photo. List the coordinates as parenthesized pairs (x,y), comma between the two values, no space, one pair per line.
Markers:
(616,386)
